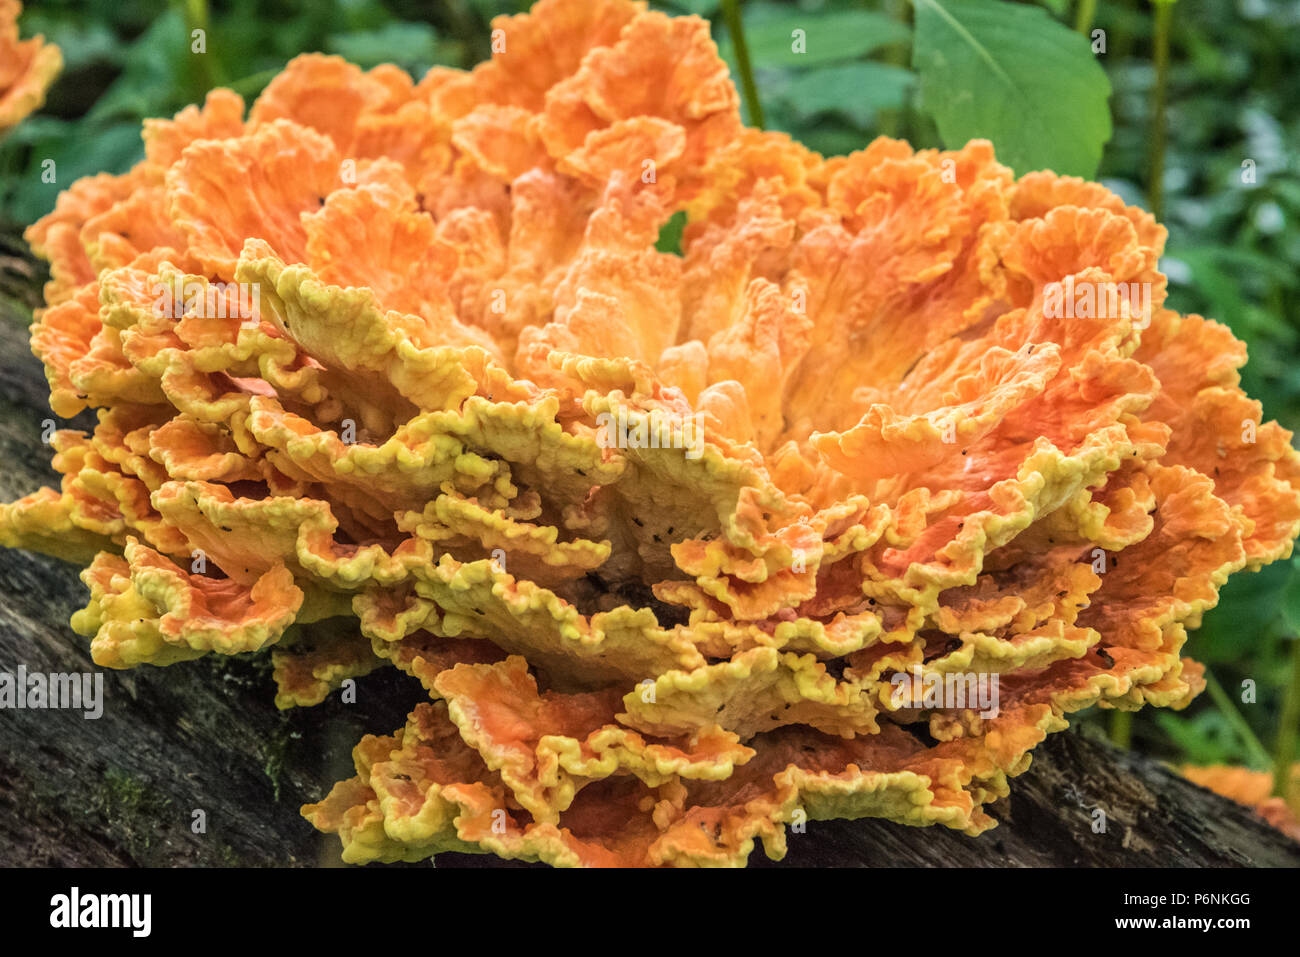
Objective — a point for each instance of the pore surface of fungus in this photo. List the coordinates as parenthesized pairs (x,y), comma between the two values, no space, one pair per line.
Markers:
(683,548)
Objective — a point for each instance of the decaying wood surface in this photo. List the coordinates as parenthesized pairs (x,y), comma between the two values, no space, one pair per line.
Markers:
(205,735)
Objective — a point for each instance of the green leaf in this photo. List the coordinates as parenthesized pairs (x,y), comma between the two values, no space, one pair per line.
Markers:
(833,139)
(670,234)
(155,79)
(1291,601)
(802,39)
(409,45)
(1011,74)
(855,90)
(701,8)
(81,43)
(1204,738)
(1246,616)
(81,150)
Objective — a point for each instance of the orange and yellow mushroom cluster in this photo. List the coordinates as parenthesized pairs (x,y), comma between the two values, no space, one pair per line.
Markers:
(27,68)
(836,513)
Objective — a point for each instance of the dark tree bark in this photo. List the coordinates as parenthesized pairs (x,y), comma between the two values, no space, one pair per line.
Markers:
(205,735)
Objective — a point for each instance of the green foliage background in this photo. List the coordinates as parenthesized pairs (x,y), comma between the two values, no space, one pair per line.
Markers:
(870,67)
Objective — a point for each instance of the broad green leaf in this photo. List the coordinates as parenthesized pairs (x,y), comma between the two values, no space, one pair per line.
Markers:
(809,39)
(855,90)
(1009,73)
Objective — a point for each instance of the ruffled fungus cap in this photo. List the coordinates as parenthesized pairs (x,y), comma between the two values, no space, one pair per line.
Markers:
(393,373)
(27,68)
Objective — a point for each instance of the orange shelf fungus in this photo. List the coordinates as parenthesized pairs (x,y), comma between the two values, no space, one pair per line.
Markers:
(1251,788)
(27,68)
(837,514)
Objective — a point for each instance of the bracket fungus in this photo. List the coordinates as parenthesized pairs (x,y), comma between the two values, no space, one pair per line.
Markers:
(1253,789)
(683,548)
(27,68)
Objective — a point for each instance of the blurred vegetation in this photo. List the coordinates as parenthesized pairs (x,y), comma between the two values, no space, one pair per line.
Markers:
(1231,176)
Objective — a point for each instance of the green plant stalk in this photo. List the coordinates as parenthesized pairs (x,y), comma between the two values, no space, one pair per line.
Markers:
(1121,729)
(895,122)
(731,16)
(1259,757)
(203,74)
(1121,43)
(1083,23)
(1285,747)
(1156,158)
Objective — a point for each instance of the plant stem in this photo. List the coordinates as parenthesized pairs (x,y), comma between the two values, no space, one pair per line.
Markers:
(1121,729)
(203,74)
(1156,165)
(894,122)
(1083,23)
(1259,757)
(1285,747)
(731,16)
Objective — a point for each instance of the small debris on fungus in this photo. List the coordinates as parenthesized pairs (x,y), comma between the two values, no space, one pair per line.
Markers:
(473,348)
